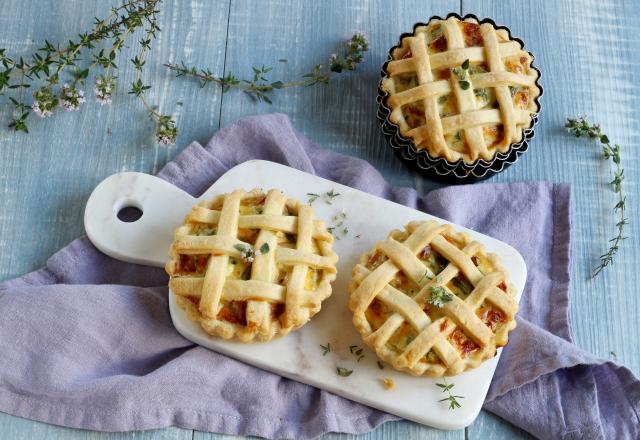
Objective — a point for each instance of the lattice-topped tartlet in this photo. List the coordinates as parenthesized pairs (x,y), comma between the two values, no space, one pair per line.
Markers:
(251,265)
(431,302)
(461,90)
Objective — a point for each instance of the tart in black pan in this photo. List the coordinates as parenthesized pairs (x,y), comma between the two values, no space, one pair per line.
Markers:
(459,98)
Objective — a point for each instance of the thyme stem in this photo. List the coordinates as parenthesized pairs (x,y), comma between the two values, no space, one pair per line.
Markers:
(260,88)
(451,398)
(580,127)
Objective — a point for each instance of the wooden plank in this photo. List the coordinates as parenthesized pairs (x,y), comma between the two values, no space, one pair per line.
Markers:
(46,176)
(389,431)
(591,73)
(340,117)
(588,54)
(15,428)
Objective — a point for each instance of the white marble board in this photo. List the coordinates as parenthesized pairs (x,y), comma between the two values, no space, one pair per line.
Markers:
(298,355)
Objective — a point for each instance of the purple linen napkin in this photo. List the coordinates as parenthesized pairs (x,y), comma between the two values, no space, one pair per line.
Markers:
(87,341)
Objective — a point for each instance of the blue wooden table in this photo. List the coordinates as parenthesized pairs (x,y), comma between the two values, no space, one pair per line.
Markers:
(587,50)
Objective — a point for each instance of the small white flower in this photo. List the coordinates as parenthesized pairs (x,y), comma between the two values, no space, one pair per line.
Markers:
(71,98)
(38,111)
(103,89)
(166,141)
(45,102)
(167,132)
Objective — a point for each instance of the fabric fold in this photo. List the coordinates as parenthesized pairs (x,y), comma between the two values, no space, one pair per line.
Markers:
(87,341)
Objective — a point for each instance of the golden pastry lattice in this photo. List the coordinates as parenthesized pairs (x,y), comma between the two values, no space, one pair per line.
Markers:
(457,122)
(395,310)
(251,265)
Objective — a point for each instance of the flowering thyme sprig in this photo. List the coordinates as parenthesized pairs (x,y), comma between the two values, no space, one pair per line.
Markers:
(248,253)
(166,130)
(45,102)
(260,88)
(78,58)
(580,127)
(71,98)
(439,296)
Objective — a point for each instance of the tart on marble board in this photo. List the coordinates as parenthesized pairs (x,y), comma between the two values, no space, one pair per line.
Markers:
(251,266)
(431,302)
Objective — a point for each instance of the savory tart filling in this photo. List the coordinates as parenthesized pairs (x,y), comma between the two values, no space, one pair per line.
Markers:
(446,305)
(461,90)
(246,265)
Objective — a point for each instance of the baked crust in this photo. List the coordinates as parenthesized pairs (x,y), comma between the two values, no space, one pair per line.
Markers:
(429,300)
(456,113)
(251,265)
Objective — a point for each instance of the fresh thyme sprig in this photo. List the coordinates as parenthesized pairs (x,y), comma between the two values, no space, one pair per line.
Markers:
(325,349)
(451,398)
(260,88)
(74,61)
(580,127)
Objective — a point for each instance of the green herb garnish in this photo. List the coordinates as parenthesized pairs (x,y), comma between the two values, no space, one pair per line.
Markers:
(461,73)
(329,196)
(343,372)
(312,198)
(482,94)
(580,127)
(325,348)
(452,399)
(207,231)
(264,249)
(246,252)
(439,296)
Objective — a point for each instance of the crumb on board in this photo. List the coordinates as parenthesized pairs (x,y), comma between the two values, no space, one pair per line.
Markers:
(389,383)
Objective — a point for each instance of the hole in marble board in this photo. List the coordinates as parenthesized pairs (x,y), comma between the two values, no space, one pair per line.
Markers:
(129,214)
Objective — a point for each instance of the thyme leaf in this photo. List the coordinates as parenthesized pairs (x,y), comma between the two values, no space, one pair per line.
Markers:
(325,348)
(343,372)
